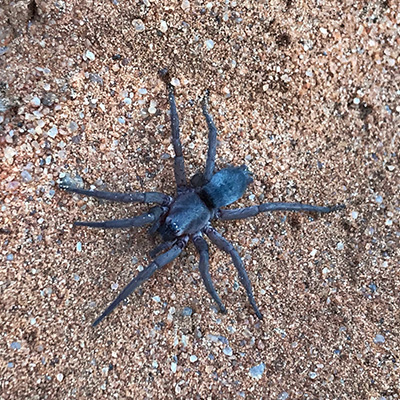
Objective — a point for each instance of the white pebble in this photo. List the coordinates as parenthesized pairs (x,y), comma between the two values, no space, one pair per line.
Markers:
(356,100)
(138,25)
(79,247)
(114,286)
(354,214)
(173,366)
(52,132)
(340,246)
(209,44)
(163,26)
(142,91)
(175,82)
(35,101)
(379,339)
(60,377)
(185,5)
(193,358)
(89,55)
(313,252)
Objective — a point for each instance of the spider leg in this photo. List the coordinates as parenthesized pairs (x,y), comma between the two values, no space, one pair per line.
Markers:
(202,248)
(179,164)
(226,246)
(134,197)
(241,213)
(144,275)
(146,218)
(212,139)
(161,247)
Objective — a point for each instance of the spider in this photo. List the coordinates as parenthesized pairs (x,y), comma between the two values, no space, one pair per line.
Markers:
(188,215)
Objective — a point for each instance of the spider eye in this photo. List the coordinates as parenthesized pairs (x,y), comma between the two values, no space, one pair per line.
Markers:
(174,227)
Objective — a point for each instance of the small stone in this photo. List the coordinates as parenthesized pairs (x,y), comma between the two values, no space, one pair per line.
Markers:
(227,351)
(60,377)
(312,375)
(114,286)
(378,199)
(156,299)
(138,25)
(9,153)
(26,176)
(175,82)
(10,257)
(257,371)
(36,101)
(73,126)
(193,359)
(15,345)
(163,26)
(173,366)
(340,246)
(79,247)
(283,396)
(52,132)
(142,91)
(185,5)
(89,55)
(379,339)
(187,312)
(209,44)
(354,214)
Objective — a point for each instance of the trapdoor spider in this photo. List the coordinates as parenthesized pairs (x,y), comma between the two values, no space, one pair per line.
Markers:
(188,215)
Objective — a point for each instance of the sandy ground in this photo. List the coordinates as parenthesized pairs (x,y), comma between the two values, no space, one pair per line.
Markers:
(306,93)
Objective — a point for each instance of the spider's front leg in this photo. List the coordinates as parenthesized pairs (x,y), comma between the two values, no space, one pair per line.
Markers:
(212,140)
(179,164)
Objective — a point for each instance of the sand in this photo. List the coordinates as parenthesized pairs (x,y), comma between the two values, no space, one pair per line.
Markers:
(306,94)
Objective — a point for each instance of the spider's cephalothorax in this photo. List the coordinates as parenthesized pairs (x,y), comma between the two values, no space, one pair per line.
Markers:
(189,214)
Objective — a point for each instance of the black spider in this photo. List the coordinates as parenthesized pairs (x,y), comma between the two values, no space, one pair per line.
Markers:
(189,214)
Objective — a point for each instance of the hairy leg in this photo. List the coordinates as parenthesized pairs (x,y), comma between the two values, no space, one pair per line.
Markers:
(202,248)
(240,213)
(144,275)
(226,246)
(134,197)
(212,140)
(179,164)
(146,218)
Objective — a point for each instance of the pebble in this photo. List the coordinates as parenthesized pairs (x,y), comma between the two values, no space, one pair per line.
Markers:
(163,26)
(9,153)
(173,366)
(79,247)
(185,5)
(15,345)
(193,358)
(312,375)
(89,55)
(10,257)
(52,132)
(142,91)
(187,312)
(227,351)
(60,377)
(156,299)
(73,126)
(138,25)
(379,339)
(209,44)
(283,396)
(175,82)
(257,371)
(340,246)
(354,214)
(35,101)
(379,199)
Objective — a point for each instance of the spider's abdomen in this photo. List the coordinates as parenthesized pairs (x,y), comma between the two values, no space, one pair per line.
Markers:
(226,186)
(188,214)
